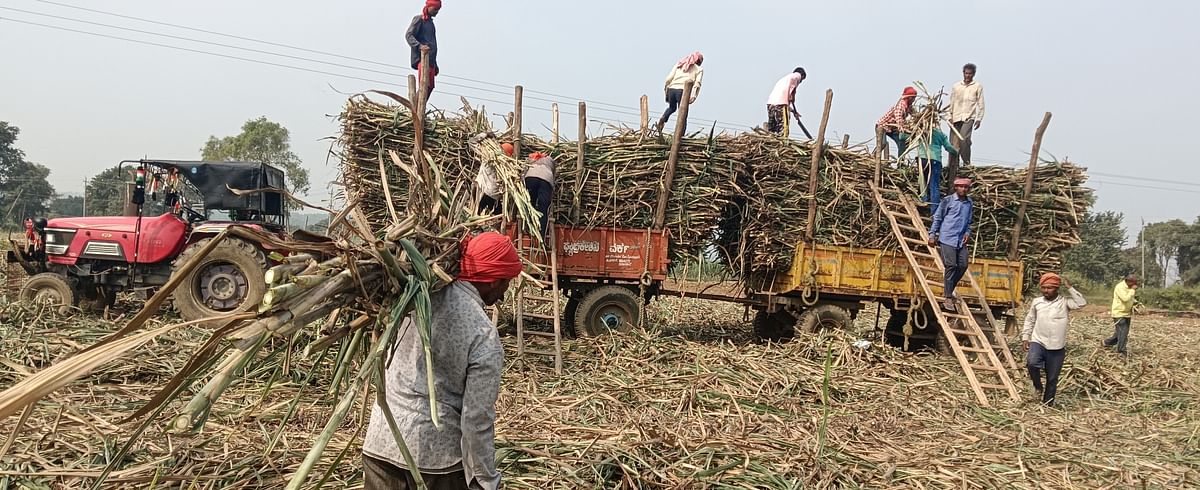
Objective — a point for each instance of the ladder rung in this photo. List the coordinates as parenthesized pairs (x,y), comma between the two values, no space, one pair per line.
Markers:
(540,352)
(538,315)
(963,332)
(992,386)
(983,368)
(534,297)
(539,333)
(972,349)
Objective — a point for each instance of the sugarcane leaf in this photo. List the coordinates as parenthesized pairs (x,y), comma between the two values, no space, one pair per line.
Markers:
(419,264)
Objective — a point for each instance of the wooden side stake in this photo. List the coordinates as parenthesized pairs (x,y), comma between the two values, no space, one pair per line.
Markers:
(818,151)
(664,192)
(645,114)
(518,95)
(579,161)
(554,123)
(1014,251)
(845,141)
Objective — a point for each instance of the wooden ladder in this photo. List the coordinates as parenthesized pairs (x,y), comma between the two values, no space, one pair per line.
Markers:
(539,299)
(968,341)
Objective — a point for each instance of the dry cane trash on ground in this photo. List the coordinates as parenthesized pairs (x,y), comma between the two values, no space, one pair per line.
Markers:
(695,404)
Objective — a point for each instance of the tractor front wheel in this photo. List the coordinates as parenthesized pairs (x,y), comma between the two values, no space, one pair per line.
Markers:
(49,289)
(228,279)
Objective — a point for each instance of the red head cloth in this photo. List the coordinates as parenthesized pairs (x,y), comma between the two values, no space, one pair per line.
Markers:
(508,148)
(487,257)
(428,5)
(537,155)
(689,60)
(910,92)
(962,181)
(1050,279)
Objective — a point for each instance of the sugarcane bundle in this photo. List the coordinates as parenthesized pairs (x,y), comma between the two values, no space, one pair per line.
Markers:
(395,244)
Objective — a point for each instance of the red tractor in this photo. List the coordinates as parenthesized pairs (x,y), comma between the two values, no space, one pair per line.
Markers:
(175,208)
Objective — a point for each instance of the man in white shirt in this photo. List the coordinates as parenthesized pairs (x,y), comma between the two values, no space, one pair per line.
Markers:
(688,69)
(783,97)
(1045,334)
(966,115)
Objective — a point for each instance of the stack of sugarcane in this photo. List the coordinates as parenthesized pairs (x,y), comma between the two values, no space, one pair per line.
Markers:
(743,197)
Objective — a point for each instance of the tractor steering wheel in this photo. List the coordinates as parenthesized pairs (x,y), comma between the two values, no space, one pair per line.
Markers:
(192,215)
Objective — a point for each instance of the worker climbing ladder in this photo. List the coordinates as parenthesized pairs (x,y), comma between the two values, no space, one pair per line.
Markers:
(538,298)
(966,338)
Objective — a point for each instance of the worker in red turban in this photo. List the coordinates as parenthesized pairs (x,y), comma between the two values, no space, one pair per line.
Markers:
(465,358)
(893,125)
(422,33)
(489,262)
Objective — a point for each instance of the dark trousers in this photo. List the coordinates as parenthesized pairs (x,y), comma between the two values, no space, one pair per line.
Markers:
(382,475)
(1040,358)
(674,97)
(932,170)
(489,204)
(777,119)
(1120,335)
(964,150)
(955,260)
(540,194)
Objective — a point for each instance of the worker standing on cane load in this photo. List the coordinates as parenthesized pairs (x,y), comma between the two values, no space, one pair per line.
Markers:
(488,182)
(423,33)
(467,360)
(892,124)
(782,99)
(688,69)
(539,181)
(966,115)
(951,231)
(1124,300)
(1044,337)
(929,160)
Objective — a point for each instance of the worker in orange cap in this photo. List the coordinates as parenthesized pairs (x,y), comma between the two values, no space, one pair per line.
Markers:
(1044,335)
(539,181)
(421,32)
(950,232)
(892,124)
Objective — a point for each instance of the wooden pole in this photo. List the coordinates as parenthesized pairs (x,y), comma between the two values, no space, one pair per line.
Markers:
(520,92)
(818,150)
(645,114)
(1014,251)
(845,141)
(664,192)
(419,114)
(579,160)
(554,123)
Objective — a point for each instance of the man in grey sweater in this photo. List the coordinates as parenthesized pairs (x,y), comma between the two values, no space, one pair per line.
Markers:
(539,181)
(467,360)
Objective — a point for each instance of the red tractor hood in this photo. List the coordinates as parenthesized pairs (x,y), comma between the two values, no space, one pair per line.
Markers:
(121,224)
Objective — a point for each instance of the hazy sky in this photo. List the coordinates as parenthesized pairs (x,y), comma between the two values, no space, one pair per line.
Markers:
(1118,76)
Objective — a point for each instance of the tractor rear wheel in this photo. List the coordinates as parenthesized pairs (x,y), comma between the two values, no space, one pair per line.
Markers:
(228,279)
(49,289)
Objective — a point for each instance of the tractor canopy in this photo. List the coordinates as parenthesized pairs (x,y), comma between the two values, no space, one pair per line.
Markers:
(232,186)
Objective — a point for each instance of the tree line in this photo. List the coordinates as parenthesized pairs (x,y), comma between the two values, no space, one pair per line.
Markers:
(1164,253)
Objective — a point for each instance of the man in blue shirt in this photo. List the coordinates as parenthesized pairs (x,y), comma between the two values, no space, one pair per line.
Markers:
(952,231)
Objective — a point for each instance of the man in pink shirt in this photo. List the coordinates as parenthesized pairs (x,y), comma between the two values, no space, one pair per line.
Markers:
(783,97)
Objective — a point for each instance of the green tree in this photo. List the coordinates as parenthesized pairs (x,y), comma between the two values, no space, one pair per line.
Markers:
(69,206)
(1098,257)
(261,141)
(24,190)
(1188,256)
(106,191)
(1163,241)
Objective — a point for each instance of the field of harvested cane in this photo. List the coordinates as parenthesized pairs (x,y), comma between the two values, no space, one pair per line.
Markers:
(694,403)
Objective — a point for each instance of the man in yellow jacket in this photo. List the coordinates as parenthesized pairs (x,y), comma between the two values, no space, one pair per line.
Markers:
(1122,310)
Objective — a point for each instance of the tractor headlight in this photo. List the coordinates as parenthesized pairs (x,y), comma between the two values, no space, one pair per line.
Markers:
(50,238)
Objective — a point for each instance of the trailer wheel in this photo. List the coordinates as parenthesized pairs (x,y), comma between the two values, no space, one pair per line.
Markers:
(825,317)
(228,279)
(607,309)
(49,289)
(774,327)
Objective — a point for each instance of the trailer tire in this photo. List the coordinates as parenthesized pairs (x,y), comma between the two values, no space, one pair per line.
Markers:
(606,309)
(569,312)
(779,326)
(232,277)
(825,317)
(50,289)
